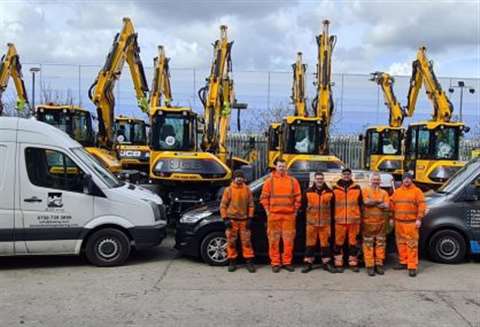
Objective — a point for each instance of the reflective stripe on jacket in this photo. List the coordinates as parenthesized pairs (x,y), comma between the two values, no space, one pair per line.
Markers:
(408,204)
(375,215)
(348,204)
(320,206)
(281,194)
(237,202)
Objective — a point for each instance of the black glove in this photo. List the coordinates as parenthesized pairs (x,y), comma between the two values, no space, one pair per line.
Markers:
(228,223)
(249,223)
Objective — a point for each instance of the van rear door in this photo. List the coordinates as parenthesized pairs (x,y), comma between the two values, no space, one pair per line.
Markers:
(7,197)
(53,204)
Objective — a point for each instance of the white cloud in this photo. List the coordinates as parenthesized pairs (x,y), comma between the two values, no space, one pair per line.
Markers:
(400,68)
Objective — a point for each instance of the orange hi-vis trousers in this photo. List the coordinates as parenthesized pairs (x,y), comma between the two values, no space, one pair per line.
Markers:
(374,240)
(239,228)
(406,235)
(341,232)
(281,227)
(315,233)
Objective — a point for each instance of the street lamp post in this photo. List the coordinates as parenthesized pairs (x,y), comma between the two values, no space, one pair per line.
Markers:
(34,70)
(461,85)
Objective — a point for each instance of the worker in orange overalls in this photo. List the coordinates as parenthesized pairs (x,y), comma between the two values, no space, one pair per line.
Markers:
(320,203)
(281,197)
(376,202)
(348,214)
(236,209)
(408,206)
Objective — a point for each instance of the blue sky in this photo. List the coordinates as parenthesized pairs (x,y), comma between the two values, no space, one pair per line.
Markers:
(372,35)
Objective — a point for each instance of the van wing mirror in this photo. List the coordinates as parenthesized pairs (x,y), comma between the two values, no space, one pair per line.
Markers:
(471,194)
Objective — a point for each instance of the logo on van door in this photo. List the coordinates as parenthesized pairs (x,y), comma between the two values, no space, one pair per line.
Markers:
(54,200)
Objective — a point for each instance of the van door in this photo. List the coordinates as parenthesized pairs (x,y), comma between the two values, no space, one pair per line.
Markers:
(472,215)
(53,203)
(7,198)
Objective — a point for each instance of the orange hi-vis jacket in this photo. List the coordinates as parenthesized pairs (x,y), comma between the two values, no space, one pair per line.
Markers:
(281,194)
(237,202)
(347,203)
(320,206)
(408,204)
(375,215)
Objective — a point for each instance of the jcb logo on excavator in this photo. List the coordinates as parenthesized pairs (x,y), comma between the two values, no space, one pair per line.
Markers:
(130,153)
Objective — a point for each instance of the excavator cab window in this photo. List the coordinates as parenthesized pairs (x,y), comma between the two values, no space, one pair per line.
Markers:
(385,142)
(77,124)
(173,132)
(303,137)
(441,143)
(131,132)
(273,138)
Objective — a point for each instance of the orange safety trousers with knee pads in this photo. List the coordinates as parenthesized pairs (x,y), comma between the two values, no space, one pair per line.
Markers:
(237,206)
(408,206)
(348,213)
(319,213)
(374,226)
(239,229)
(281,198)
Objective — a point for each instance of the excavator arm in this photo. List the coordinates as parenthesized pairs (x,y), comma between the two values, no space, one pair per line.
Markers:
(218,98)
(298,87)
(385,81)
(422,73)
(125,48)
(161,81)
(323,102)
(10,67)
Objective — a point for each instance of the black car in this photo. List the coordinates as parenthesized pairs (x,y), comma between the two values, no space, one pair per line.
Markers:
(201,232)
(451,229)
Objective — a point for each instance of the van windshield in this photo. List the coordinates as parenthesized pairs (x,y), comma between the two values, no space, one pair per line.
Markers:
(456,181)
(106,176)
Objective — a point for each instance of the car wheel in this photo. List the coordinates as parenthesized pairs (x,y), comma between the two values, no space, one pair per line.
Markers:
(107,247)
(213,249)
(447,246)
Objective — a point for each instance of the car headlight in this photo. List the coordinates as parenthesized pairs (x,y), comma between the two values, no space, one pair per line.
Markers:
(194,217)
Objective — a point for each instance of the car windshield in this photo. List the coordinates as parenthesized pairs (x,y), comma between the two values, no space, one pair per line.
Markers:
(130,132)
(173,131)
(455,182)
(106,176)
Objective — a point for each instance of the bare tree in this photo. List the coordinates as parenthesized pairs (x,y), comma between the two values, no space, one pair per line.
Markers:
(50,95)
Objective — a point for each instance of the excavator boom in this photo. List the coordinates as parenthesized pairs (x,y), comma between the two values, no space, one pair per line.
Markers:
(10,67)
(397,114)
(161,81)
(124,49)
(298,87)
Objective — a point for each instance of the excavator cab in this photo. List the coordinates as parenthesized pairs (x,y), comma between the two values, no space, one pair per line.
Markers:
(383,149)
(174,129)
(130,135)
(433,151)
(75,121)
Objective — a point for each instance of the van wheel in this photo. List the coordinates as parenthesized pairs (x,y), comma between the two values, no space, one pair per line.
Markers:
(107,247)
(447,246)
(213,249)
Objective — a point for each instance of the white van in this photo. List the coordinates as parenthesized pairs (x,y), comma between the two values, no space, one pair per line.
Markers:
(55,198)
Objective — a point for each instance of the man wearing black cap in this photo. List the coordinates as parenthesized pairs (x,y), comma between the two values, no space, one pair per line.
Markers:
(236,209)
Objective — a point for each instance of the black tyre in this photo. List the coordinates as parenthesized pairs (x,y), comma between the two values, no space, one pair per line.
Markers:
(447,246)
(107,247)
(213,249)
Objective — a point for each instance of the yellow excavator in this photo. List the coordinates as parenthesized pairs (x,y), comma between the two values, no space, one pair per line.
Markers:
(10,67)
(302,140)
(125,137)
(432,148)
(383,144)
(189,171)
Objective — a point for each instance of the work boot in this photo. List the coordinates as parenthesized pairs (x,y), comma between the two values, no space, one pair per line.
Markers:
(370,271)
(355,269)
(328,267)
(250,266)
(307,268)
(232,266)
(399,266)
(412,272)
(276,269)
(339,270)
(379,270)
(289,268)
